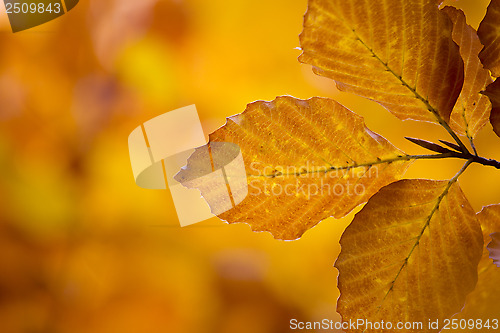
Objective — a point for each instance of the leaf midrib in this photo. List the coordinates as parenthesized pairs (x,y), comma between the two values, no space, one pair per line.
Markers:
(334,168)
(418,238)
(426,225)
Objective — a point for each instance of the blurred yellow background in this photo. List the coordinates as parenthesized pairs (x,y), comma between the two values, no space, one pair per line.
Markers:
(83,249)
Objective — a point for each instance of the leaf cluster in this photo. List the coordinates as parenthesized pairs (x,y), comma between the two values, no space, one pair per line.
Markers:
(417,250)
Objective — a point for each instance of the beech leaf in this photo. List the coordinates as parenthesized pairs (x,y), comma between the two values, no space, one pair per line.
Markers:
(483,302)
(472,110)
(399,53)
(489,33)
(305,160)
(493,92)
(494,248)
(410,254)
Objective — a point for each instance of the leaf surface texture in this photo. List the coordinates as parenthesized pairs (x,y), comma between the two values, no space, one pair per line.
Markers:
(398,53)
(483,302)
(489,33)
(305,160)
(410,254)
(472,110)
(493,92)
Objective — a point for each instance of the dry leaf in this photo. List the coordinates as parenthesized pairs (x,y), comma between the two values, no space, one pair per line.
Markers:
(472,110)
(494,248)
(489,33)
(305,161)
(493,92)
(398,53)
(410,254)
(483,302)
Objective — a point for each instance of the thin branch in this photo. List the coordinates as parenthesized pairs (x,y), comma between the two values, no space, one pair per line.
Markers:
(485,161)
(453,134)
(465,166)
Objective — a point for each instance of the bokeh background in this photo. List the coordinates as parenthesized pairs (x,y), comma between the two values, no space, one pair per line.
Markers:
(83,249)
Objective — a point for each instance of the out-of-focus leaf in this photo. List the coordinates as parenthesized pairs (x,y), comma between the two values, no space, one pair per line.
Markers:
(116,23)
(410,254)
(398,53)
(489,33)
(494,248)
(472,110)
(483,303)
(305,160)
(493,92)
(12,93)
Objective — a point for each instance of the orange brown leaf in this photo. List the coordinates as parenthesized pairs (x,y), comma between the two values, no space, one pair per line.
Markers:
(483,302)
(410,254)
(489,33)
(493,92)
(305,160)
(472,110)
(398,53)
(494,248)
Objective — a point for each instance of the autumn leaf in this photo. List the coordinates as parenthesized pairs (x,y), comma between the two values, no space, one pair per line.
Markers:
(489,33)
(410,254)
(398,53)
(493,92)
(472,110)
(483,302)
(305,160)
(494,248)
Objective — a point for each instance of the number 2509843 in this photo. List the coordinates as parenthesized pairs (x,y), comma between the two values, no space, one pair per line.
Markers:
(40,8)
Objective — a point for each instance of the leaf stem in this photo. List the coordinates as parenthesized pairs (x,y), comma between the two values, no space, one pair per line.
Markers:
(464,156)
(455,178)
(450,131)
(473,145)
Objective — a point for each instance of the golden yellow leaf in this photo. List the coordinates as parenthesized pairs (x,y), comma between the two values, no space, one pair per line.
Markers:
(472,110)
(305,160)
(398,53)
(410,254)
(483,303)
(493,92)
(489,33)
